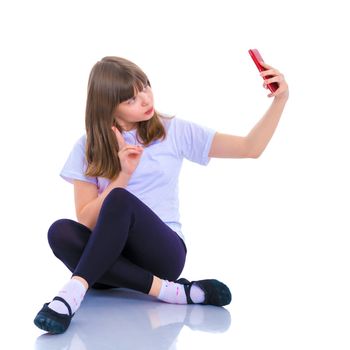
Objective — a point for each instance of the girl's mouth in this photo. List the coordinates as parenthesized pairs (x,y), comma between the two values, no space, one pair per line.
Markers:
(150,111)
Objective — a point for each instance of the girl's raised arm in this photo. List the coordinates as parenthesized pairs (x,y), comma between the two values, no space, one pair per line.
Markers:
(253,145)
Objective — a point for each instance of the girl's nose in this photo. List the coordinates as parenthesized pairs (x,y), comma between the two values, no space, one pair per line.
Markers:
(145,98)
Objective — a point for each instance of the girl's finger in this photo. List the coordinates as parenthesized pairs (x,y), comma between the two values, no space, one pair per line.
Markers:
(279,91)
(269,72)
(131,150)
(119,136)
(265,65)
(276,79)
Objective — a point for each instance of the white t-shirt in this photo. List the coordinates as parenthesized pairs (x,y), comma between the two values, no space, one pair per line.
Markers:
(155,180)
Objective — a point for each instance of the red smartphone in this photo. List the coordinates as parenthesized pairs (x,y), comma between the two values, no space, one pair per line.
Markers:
(255,55)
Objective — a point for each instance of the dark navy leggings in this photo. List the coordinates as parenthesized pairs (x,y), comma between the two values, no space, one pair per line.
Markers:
(128,245)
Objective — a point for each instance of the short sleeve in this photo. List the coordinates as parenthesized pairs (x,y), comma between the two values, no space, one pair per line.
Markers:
(193,141)
(75,166)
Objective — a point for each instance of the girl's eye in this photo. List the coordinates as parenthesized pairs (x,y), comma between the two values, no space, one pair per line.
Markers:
(131,100)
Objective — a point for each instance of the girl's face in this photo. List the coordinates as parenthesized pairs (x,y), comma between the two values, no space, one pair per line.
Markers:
(136,109)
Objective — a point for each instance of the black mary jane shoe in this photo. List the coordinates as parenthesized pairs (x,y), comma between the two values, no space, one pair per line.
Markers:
(52,321)
(215,292)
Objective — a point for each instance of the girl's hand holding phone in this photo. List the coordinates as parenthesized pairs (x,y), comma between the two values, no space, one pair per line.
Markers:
(273,79)
(272,75)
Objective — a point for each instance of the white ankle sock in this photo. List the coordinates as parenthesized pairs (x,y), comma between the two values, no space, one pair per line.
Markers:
(73,293)
(174,293)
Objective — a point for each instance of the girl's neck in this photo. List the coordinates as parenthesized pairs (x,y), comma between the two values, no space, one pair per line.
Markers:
(129,127)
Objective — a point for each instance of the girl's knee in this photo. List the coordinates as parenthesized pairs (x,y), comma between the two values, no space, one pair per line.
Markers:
(56,233)
(118,197)
(117,193)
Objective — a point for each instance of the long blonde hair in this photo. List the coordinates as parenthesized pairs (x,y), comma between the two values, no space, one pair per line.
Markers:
(113,80)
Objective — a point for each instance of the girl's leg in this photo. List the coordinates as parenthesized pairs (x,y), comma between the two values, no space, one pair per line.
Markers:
(151,247)
(68,239)
(125,225)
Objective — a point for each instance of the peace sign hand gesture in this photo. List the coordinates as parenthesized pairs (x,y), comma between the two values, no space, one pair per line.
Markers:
(129,155)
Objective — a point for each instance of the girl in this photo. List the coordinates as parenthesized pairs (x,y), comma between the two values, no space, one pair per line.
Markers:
(125,175)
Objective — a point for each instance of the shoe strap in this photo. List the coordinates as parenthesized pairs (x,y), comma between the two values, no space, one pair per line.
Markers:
(187,288)
(65,303)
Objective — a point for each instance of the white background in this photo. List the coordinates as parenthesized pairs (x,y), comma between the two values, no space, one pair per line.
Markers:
(276,229)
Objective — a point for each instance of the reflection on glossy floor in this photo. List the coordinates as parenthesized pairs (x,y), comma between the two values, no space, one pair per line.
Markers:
(123,319)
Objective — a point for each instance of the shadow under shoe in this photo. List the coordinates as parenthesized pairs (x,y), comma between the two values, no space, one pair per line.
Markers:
(208,319)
